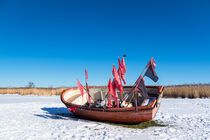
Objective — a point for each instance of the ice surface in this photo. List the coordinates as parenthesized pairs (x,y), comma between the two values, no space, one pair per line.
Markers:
(45,117)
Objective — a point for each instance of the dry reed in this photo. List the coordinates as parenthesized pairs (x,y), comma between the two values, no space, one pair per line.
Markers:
(187,91)
(184,91)
(32,91)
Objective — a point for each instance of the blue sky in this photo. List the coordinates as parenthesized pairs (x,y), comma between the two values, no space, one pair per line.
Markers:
(51,42)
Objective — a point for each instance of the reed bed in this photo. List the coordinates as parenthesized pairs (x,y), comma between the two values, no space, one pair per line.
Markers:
(32,91)
(183,91)
(187,91)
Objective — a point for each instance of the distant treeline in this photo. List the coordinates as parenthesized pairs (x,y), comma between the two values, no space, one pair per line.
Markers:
(175,91)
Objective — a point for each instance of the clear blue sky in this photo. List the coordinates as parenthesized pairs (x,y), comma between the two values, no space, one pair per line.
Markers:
(51,42)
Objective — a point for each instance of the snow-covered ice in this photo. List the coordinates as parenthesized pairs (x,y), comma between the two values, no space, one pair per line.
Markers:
(45,117)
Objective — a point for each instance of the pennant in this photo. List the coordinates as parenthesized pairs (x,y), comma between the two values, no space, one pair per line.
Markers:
(80,87)
(151,70)
(111,91)
(88,94)
(86,75)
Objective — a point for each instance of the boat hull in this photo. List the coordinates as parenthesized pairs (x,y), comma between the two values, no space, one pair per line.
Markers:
(118,115)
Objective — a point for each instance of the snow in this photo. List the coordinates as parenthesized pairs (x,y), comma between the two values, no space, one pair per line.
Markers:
(45,117)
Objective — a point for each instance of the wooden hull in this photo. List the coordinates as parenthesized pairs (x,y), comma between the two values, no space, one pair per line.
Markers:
(118,115)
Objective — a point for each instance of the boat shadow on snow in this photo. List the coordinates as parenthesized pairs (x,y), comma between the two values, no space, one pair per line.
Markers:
(64,114)
(56,113)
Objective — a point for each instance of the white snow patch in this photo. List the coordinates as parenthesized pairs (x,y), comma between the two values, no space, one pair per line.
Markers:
(45,117)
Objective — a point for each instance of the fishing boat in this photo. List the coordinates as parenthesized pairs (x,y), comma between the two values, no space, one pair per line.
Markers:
(74,101)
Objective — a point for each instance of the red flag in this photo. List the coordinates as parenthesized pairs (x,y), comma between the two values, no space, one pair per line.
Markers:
(115,93)
(123,78)
(80,87)
(72,109)
(86,75)
(123,66)
(111,91)
(117,80)
(119,72)
(88,94)
(109,101)
(116,98)
(115,74)
(122,69)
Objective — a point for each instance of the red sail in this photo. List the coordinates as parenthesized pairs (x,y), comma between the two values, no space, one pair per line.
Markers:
(80,87)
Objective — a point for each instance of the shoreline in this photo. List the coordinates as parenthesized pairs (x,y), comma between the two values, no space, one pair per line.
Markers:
(177,91)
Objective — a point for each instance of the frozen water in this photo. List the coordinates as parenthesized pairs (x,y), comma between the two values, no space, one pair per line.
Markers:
(45,117)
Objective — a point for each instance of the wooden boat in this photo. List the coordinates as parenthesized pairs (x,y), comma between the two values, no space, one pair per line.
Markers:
(74,102)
